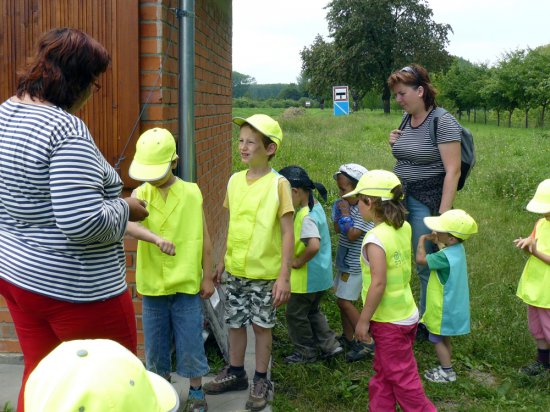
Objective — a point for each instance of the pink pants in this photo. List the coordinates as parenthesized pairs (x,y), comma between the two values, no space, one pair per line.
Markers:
(42,323)
(396,379)
(539,322)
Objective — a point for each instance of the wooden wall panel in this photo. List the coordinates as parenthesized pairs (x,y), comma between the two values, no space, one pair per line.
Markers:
(112,112)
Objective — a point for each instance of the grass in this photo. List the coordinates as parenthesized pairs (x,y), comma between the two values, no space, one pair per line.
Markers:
(510,164)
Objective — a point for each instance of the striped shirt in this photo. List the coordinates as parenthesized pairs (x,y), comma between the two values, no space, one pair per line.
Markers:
(417,157)
(353,256)
(61,218)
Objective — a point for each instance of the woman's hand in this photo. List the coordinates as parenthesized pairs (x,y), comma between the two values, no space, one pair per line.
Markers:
(394,135)
(137,209)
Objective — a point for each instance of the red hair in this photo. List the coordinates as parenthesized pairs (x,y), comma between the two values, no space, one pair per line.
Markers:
(66,63)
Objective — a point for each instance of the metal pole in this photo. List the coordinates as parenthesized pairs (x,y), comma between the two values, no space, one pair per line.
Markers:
(186,120)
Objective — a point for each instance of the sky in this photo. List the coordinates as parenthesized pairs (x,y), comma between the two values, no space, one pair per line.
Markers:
(269,35)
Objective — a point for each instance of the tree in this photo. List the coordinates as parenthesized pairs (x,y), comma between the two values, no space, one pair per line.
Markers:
(290,91)
(537,64)
(511,81)
(241,83)
(372,38)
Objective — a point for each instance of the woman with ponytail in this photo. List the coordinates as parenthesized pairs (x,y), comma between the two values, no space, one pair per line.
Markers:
(311,273)
(389,314)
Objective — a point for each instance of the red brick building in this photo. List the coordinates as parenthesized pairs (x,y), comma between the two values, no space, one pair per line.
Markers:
(139,91)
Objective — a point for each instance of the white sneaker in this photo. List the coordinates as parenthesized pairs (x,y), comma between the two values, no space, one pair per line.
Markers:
(438,375)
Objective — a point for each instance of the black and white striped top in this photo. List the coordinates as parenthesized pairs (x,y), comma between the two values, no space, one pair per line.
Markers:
(61,218)
(417,157)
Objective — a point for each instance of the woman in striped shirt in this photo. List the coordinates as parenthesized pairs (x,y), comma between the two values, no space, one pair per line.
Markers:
(429,173)
(62,262)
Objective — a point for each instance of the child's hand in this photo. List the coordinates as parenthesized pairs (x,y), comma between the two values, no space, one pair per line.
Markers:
(336,213)
(281,291)
(207,287)
(343,207)
(526,244)
(166,246)
(362,331)
(432,237)
(296,263)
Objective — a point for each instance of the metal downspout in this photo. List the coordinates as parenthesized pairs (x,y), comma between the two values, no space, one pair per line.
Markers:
(187,166)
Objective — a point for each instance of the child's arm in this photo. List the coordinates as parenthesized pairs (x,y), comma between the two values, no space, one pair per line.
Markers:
(142,233)
(421,248)
(207,284)
(377,261)
(312,247)
(220,267)
(281,288)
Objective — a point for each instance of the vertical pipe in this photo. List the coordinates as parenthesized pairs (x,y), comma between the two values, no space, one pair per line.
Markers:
(186,93)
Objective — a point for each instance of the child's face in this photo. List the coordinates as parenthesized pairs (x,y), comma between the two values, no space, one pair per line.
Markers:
(297,198)
(345,186)
(252,149)
(166,179)
(444,238)
(365,208)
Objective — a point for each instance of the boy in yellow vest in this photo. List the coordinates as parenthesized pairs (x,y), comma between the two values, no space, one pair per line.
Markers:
(172,284)
(258,257)
(447,295)
(534,285)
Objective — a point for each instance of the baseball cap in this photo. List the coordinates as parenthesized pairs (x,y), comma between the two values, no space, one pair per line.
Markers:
(455,221)
(540,203)
(265,125)
(378,183)
(96,375)
(351,170)
(155,151)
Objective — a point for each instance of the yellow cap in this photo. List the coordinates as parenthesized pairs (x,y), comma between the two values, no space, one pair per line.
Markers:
(455,221)
(96,375)
(540,203)
(265,125)
(155,151)
(377,183)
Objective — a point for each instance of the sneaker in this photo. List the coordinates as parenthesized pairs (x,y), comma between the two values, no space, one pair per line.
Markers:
(196,401)
(438,375)
(226,382)
(359,350)
(534,369)
(336,351)
(297,357)
(344,342)
(261,392)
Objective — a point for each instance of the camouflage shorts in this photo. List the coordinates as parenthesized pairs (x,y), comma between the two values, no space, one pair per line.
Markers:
(249,301)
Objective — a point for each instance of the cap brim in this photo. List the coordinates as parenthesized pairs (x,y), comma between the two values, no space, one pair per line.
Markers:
(434,223)
(167,396)
(352,193)
(538,207)
(148,173)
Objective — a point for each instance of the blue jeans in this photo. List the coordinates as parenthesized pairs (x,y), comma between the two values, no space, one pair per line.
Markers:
(180,317)
(417,212)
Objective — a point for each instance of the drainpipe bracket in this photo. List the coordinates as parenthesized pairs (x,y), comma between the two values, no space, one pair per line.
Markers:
(182,13)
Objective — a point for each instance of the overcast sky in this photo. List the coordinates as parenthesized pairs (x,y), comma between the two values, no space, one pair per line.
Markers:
(268,35)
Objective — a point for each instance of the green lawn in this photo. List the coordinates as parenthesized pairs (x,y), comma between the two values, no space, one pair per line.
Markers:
(510,164)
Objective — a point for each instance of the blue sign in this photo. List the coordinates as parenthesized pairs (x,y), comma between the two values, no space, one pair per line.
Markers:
(341,108)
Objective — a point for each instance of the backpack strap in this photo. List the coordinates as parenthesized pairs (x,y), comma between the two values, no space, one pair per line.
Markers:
(438,112)
(404,121)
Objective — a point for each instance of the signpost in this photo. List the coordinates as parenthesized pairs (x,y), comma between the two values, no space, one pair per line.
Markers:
(340,98)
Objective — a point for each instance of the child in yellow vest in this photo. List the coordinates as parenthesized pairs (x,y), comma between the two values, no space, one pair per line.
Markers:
(172,275)
(447,295)
(311,273)
(389,313)
(258,257)
(534,285)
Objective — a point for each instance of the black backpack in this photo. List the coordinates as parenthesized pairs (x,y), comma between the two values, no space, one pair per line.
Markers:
(467,150)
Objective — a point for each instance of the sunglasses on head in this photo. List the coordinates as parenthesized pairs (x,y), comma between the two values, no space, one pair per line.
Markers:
(409,69)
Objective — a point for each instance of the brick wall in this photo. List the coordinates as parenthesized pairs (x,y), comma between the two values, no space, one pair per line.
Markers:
(159,88)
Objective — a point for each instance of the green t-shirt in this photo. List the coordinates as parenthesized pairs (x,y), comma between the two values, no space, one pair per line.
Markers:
(438,261)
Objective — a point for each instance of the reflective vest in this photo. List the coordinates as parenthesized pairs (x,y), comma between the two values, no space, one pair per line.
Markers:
(448,306)
(178,219)
(254,236)
(397,301)
(534,285)
(315,275)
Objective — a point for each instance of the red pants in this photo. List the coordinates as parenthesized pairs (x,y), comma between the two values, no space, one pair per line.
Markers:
(396,380)
(42,323)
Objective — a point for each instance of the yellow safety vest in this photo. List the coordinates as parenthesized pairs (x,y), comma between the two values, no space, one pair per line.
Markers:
(397,302)
(534,285)
(254,236)
(298,277)
(178,219)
